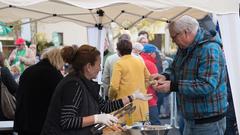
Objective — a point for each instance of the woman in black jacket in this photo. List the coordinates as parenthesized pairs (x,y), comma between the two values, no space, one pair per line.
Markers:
(76,104)
(7,79)
(36,86)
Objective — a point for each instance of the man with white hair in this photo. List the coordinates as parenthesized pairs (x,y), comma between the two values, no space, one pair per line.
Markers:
(198,76)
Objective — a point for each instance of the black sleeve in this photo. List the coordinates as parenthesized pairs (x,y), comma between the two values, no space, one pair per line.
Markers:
(8,80)
(71,99)
(167,76)
(108,106)
(56,77)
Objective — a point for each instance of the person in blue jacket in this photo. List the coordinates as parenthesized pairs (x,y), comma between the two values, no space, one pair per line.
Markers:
(198,76)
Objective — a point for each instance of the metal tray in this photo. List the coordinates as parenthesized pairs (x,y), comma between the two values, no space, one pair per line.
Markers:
(149,130)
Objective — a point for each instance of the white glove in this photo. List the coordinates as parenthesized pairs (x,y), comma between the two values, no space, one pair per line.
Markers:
(106,119)
(138,95)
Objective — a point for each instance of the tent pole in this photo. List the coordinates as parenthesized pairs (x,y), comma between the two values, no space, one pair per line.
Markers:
(145,16)
(99,25)
(101,49)
(95,19)
(50,15)
(140,19)
(75,20)
(77,14)
(4,7)
(35,20)
(31,10)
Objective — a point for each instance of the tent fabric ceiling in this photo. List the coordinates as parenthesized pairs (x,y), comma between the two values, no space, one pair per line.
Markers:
(215,6)
(85,12)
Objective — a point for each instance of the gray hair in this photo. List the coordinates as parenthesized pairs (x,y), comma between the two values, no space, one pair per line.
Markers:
(141,37)
(185,22)
(124,37)
(137,46)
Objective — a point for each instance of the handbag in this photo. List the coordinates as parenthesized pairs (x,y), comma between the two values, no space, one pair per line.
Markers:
(8,102)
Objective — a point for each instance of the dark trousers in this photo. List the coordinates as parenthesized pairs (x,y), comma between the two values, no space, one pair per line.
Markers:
(154,115)
(231,123)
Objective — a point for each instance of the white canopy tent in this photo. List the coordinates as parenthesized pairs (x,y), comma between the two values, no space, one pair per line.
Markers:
(101,13)
(89,14)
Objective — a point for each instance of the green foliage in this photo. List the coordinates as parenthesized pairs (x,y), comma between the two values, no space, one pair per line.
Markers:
(42,42)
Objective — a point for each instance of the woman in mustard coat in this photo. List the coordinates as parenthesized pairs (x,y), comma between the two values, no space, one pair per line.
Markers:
(129,74)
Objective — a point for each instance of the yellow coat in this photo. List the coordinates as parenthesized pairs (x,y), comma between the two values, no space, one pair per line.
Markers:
(130,74)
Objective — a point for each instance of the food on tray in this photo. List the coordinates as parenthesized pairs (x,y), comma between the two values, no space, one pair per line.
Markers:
(113,128)
(153,82)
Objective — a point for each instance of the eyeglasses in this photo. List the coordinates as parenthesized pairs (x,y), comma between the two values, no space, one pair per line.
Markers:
(175,36)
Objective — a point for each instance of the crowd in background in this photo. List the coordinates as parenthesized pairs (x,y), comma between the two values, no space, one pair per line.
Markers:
(51,96)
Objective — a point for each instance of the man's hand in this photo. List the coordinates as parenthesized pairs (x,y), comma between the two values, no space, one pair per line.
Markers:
(157,77)
(162,86)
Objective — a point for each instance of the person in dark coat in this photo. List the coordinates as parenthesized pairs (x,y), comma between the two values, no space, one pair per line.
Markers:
(7,79)
(76,104)
(36,86)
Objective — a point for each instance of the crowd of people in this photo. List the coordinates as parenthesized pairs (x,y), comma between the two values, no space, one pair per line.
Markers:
(52,102)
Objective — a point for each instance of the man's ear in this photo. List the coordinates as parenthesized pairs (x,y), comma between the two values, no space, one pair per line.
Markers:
(187,34)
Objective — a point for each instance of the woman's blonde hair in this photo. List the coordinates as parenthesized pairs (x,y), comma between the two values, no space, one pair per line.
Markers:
(53,54)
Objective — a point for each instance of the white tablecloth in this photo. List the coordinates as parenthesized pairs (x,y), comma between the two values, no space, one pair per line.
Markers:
(6,125)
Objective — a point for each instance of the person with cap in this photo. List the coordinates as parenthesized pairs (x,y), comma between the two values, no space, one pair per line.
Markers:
(21,56)
(143,38)
(149,56)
